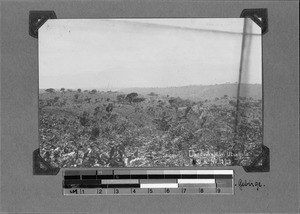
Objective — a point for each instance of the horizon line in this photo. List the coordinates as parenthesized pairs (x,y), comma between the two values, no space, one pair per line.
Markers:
(137,87)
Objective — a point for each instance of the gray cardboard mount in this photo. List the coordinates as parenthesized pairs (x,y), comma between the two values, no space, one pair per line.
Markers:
(23,192)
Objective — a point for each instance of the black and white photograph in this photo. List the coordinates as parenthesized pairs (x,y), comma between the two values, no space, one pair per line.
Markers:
(163,92)
(146,107)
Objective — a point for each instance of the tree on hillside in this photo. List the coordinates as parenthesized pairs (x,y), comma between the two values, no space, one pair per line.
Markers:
(78,90)
(50,90)
(94,91)
(153,94)
(62,90)
(131,96)
(88,99)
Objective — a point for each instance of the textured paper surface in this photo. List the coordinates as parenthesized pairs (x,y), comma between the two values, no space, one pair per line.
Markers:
(22,192)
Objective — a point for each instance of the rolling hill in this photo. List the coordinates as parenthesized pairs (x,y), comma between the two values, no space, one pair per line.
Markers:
(202,92)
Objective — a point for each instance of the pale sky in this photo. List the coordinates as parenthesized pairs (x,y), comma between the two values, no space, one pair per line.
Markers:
(125,53)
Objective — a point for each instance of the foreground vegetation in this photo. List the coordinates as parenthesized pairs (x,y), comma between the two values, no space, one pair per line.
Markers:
(112,129)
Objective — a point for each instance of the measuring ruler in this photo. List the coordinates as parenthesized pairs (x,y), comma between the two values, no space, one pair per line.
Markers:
(144,182)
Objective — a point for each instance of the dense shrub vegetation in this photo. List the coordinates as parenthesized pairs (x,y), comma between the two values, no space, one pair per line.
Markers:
(111,129)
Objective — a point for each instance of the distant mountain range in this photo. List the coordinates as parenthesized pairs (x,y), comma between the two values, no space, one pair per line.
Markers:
(202,92)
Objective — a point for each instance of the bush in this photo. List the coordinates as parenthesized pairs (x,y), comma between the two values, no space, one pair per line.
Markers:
(84,119)
(95,133)
(121,97)
(138,100)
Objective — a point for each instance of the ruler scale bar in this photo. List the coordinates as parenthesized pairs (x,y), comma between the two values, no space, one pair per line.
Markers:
(153,181)
(122,176)
(160,185)
(146,182)
(72,177)
(120,181)
(138,176)
(123,186)
(174,176)
(88,177)
(198,185)
(196,181)
(105,176)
